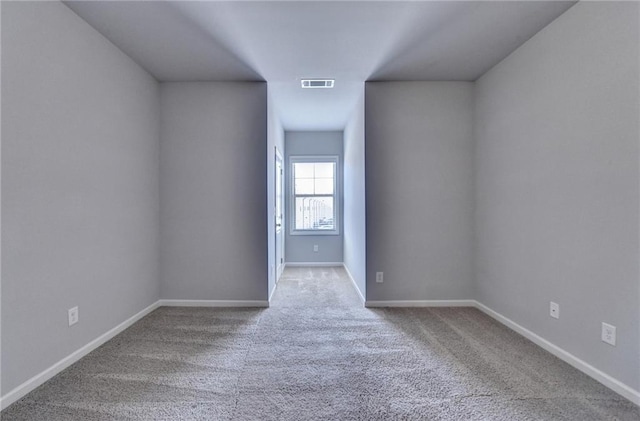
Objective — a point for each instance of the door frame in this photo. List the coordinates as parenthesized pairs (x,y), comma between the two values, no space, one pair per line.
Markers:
(279,222)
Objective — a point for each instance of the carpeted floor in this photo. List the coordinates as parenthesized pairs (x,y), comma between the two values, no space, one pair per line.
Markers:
(317,354)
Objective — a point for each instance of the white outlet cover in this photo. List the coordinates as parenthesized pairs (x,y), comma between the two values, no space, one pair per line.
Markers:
(554,310)
(379,277)
(609,334)
(73,316)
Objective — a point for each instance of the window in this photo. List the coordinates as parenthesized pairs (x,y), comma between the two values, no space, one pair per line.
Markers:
(315,200)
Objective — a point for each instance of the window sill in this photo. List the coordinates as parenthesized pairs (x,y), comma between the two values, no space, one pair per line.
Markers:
(315,233)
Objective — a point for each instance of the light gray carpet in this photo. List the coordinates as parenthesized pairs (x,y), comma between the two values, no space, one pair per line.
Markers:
(317,354)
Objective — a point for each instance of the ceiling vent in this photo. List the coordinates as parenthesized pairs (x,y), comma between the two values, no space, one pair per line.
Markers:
(317,83)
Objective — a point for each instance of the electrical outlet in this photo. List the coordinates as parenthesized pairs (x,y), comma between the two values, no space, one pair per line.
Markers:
(609,334)
(379,277)
(554,310)
(73,316)
(315,247)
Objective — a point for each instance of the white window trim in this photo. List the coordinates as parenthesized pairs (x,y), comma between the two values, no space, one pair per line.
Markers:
(336,193)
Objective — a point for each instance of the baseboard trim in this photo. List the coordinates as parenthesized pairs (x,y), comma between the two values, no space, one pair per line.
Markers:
(420,303)
(353,281)
(37,380)
(214,303)
(613,384)
(313,264)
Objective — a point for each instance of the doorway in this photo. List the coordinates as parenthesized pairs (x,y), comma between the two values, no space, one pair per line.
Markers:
(279,217)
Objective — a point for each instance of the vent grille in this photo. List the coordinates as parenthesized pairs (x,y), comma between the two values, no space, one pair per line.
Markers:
(317,83)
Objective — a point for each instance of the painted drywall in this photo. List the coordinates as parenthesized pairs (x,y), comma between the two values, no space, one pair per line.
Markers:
(275,139)
(213,191)
(299,248)
(419,200)
(557,185)
(354,197)
(79,183)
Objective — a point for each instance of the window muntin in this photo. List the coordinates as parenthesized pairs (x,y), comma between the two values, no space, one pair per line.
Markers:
(314,201)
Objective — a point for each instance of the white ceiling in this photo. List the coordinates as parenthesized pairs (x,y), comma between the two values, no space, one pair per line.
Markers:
(283,41)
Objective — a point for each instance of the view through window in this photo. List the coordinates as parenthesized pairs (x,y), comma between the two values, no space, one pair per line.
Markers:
(314,195)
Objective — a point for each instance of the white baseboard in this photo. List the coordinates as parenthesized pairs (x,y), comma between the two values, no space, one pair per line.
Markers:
(37,380)
(613,384)
(214,303)
(353,281)
(421,303)
(313,264)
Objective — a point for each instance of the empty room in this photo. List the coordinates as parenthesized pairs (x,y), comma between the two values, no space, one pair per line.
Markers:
(320,210)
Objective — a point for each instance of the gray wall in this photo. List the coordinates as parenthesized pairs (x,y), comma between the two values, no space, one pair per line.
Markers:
(557,185)
(354,198)
(213,195)
(275,139)
(419,189)
(79,186)
(299,248)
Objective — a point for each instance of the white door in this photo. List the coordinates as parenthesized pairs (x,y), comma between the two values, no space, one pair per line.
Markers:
(279,217)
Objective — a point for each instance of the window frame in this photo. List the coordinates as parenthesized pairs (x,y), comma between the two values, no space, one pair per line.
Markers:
(295,159)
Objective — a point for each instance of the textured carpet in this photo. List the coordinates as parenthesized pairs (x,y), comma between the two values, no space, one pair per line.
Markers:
(317,354)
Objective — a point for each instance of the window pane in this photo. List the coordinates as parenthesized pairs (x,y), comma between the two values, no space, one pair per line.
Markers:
(303,169)
(324,169)
(324,186)
(304,186)
(314,213)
